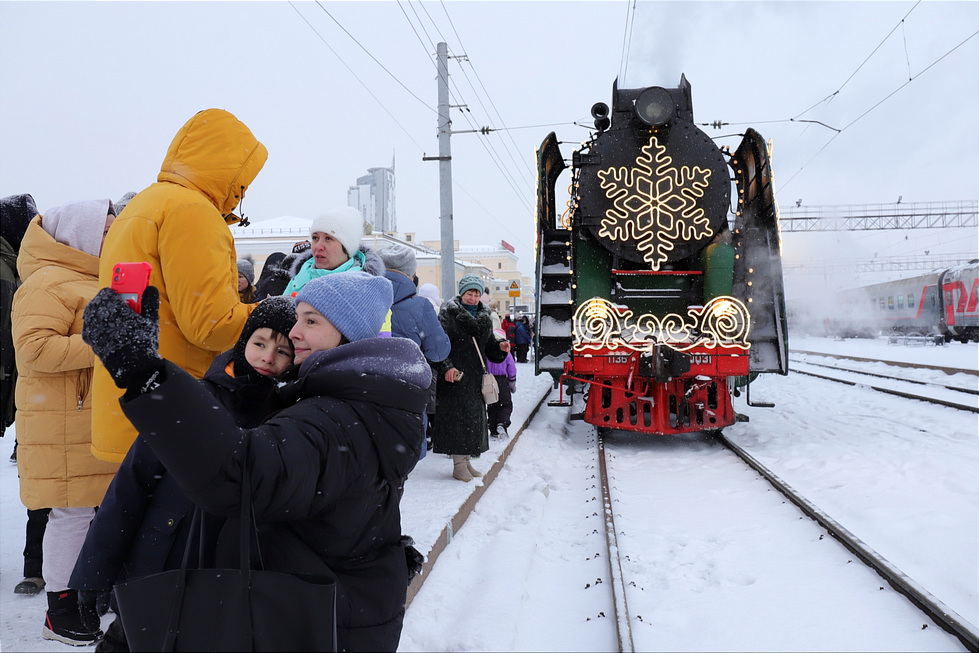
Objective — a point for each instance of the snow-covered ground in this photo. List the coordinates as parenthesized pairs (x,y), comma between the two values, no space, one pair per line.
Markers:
(716,566)
(719,567)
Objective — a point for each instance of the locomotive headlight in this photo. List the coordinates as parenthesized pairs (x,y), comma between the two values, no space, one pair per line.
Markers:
(654,106)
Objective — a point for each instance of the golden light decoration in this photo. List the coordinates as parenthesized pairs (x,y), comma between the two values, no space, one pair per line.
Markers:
(654,203)
(723,322)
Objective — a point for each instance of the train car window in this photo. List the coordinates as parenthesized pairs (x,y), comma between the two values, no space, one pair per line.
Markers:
(881,303)
(890,303)
(910,300)
(900,301)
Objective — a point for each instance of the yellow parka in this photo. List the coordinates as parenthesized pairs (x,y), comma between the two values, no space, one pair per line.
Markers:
(180,226)
(54,367)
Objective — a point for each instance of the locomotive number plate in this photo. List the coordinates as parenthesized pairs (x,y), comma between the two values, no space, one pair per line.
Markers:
(620,359)
(700,359)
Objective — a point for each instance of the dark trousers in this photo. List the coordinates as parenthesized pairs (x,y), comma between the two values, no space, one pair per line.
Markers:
(521,352)
(500,412)
(37,521)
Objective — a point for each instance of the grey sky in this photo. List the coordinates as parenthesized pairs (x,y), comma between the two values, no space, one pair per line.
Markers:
(92,93)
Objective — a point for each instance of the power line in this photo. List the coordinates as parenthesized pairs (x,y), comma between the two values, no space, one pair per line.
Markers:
(630,21)
(880,102)
(485,91)
(366,88)
(392,75)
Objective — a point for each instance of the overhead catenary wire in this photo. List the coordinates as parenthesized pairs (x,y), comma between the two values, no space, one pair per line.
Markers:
(877,104)
(357,77)
(462,105)
(630,20)
(483,86)
(467,116)
(381,104)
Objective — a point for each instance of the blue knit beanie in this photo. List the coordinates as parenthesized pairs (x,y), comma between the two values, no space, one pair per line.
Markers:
(470,282)
(356,303)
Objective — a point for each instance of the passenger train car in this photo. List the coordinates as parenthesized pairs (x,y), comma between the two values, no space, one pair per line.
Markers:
(656,298)
(940,303)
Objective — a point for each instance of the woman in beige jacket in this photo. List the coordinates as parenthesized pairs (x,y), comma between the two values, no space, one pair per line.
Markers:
(59,266)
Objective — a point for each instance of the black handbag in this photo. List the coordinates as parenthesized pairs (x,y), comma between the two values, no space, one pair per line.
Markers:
(229,609)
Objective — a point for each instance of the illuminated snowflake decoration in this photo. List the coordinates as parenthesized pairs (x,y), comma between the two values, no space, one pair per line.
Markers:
(654,204)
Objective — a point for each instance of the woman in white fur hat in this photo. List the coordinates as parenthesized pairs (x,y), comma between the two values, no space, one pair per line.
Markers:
(335,247)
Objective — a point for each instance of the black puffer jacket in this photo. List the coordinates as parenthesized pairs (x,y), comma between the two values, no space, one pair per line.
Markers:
(325,472)
(460,422)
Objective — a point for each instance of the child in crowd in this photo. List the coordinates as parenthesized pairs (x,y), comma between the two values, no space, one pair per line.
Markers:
(498,414)
(142,524)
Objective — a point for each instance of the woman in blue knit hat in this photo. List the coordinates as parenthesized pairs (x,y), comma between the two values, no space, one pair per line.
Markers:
(326,470)
(460,422)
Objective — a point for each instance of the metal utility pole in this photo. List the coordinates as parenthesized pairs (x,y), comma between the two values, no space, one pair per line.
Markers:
(445,174)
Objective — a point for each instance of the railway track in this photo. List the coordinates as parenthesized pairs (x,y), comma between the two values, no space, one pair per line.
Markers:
(891,391)
(623,619)
(947,370)
(972,391)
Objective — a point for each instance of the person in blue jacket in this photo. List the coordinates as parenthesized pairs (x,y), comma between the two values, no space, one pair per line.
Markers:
(413,316)
(523,337)
(142,525)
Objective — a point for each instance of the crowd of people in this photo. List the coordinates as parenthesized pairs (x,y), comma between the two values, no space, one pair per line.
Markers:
(322,382)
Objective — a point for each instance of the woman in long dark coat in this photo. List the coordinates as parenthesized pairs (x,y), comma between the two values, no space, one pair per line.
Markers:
(460,424)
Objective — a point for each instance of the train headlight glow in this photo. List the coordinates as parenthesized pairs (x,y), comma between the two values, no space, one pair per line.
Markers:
(654,107)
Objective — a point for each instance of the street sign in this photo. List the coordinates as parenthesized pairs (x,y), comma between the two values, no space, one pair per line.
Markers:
(514,289)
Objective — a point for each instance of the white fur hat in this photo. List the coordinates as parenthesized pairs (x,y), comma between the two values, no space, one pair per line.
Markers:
(344,224)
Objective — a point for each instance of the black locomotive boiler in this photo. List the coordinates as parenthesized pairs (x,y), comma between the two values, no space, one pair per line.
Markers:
(656,299)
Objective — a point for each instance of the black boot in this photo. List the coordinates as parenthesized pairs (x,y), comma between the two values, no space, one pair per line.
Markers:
(114,640)
(63,623)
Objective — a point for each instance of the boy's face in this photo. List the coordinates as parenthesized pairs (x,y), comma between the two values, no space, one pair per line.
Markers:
(312,332)
(269,352)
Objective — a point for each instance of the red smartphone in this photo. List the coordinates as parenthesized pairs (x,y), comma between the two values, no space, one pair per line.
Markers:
(130,280)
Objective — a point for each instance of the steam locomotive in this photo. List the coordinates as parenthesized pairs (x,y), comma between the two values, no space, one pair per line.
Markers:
(655,300)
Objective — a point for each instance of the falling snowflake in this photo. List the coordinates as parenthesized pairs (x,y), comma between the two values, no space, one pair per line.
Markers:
(654,204)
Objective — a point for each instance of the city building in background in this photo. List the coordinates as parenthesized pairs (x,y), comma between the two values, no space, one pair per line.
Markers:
(374,196)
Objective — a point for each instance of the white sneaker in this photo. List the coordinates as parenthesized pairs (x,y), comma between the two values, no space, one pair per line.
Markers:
(501,432)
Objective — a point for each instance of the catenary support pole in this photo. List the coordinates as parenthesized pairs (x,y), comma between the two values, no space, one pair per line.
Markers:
(445,175)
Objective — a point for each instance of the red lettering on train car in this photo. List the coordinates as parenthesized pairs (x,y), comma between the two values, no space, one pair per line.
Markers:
(974,299)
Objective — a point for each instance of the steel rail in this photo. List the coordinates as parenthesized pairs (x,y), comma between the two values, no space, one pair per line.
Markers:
(885,376)
(940,613)
(623,624)
(897,393)
(947,370)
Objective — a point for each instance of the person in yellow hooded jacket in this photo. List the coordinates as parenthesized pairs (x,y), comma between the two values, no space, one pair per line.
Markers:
(180,226)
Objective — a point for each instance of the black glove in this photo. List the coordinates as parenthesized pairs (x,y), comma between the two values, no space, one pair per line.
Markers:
(413,558)
(126,342)
(92,604)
